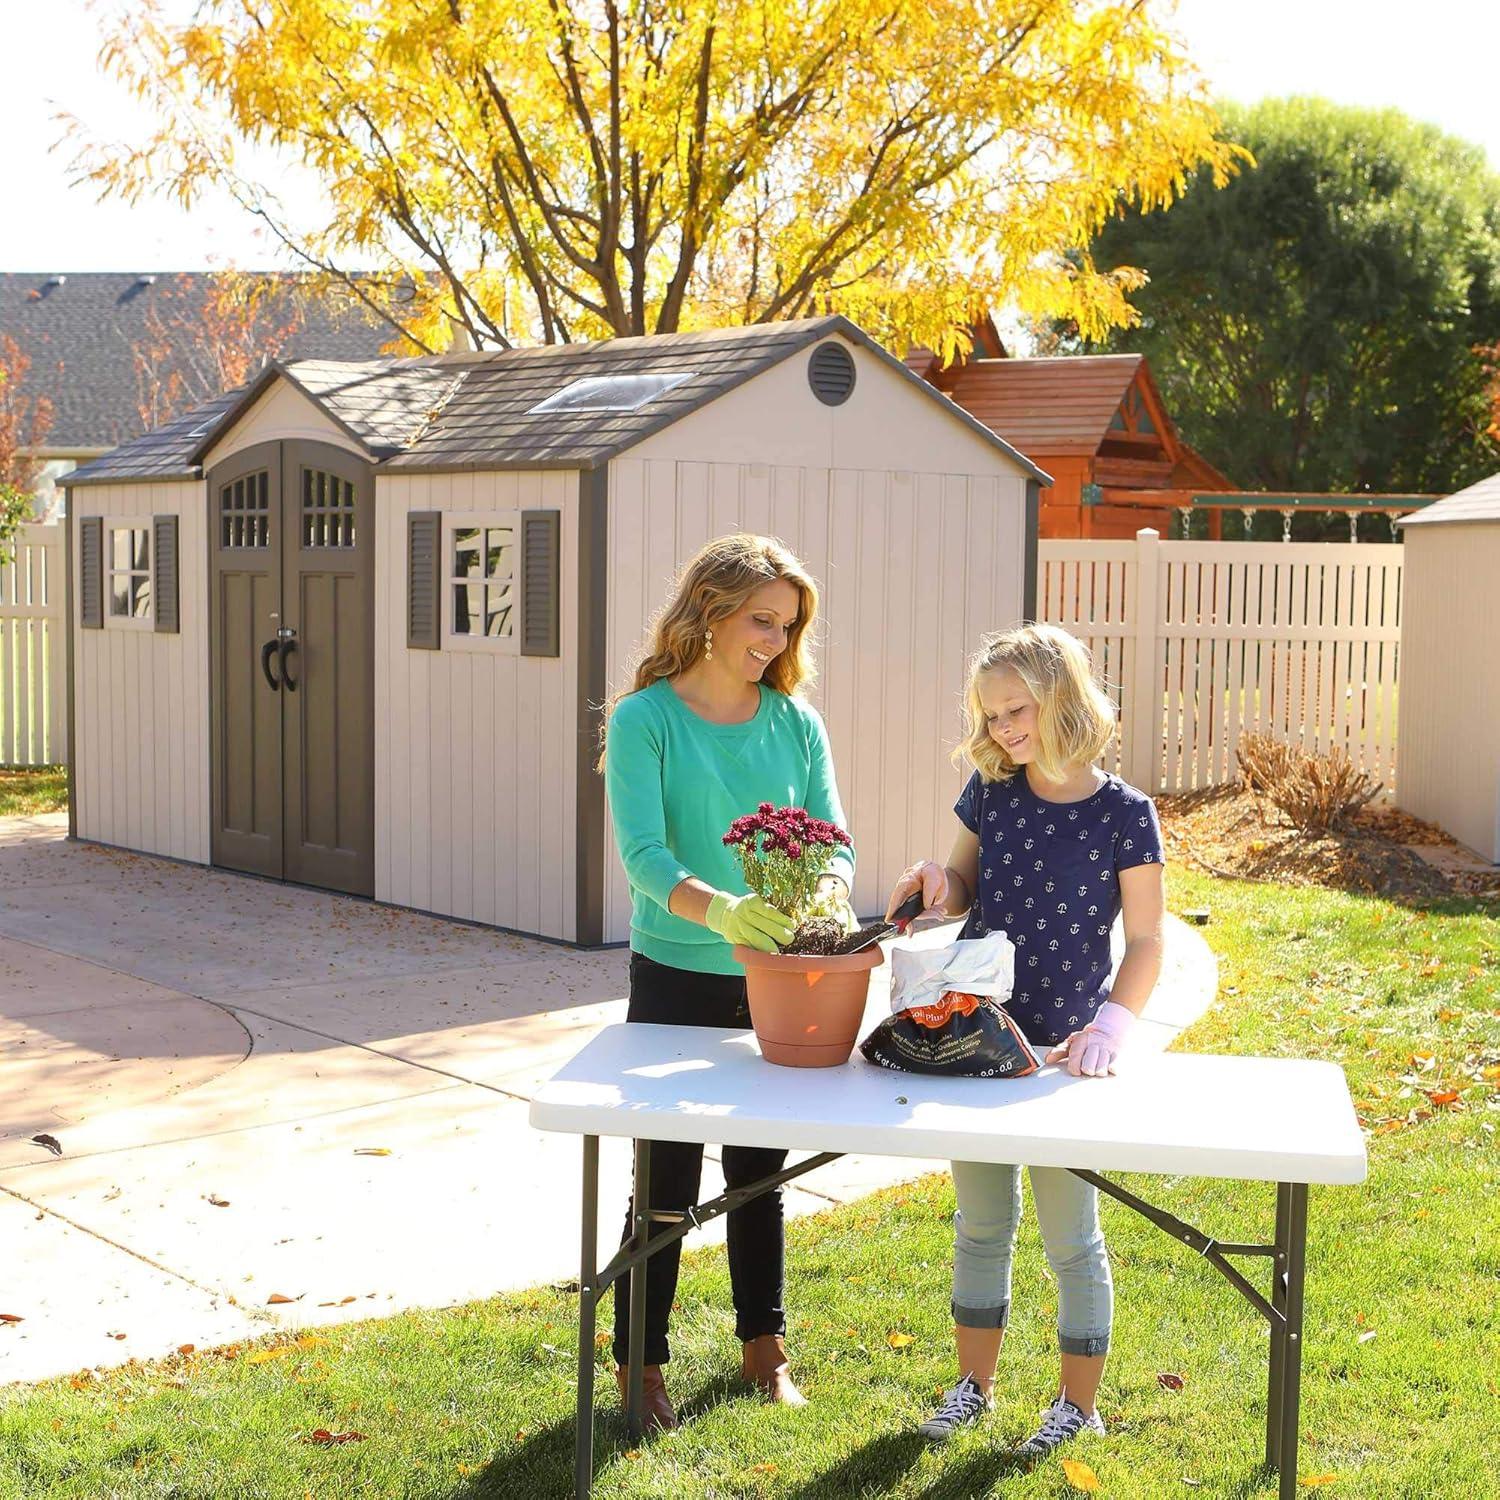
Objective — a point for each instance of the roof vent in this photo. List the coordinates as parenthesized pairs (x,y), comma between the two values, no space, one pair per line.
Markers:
(145,281)
(611,392)
(830,372)
(54,281)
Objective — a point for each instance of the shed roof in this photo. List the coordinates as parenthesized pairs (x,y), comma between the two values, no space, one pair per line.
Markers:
(1048,406)
(84,331)
(474,410)
(1480,502)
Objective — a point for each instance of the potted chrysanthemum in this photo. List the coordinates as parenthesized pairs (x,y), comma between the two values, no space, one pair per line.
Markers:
(806,1002)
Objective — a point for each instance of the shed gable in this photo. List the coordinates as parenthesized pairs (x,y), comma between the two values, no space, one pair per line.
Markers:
(279,413)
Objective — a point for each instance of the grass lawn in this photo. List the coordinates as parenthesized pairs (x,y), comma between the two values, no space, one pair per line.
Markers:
(1402,1331)
(24,793)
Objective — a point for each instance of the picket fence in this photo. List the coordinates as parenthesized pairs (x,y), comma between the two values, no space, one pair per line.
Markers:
(33,650)
(1200,643)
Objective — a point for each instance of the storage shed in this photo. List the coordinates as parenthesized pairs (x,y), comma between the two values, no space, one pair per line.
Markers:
(353,626)
(1448,716)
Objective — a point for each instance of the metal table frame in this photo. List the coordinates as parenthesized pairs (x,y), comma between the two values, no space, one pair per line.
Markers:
(1282,1309)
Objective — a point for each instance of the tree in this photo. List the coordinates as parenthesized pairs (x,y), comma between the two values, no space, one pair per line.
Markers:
(24,424)
(558,169)
(202,338)
(1318,324)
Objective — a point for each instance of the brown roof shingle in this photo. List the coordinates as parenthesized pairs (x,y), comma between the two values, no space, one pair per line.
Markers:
(1047,407)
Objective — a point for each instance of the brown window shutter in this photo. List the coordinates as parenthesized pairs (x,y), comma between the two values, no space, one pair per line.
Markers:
(164,555)
(540,570)
(424,589)
(91,572)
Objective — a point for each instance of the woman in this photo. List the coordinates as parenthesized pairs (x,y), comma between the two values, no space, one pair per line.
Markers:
(711,728)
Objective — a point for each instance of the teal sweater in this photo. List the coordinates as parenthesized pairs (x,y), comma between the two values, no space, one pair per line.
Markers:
(676,782)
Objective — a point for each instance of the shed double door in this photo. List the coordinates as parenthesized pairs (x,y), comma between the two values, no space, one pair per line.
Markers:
(292,664)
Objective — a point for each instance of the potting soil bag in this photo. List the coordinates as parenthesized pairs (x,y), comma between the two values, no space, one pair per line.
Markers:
(962,1035)
(949,1012)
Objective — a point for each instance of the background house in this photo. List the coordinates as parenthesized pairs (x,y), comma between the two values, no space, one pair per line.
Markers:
(116,353)
(466,550)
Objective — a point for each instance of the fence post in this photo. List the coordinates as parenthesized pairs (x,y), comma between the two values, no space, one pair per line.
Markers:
(1143,729)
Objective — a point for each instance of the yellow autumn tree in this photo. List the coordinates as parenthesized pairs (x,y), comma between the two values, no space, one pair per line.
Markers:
(559,169)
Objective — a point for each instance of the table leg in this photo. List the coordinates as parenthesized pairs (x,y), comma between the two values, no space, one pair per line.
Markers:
(583,1450)
(641,1228)
(1284,1394)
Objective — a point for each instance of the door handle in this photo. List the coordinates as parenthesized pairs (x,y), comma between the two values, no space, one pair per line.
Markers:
(266,653)
(289,682)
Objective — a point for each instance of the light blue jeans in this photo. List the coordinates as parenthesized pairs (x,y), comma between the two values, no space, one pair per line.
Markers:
(1067,1211)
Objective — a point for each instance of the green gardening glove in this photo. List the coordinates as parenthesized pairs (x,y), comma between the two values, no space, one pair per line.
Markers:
(749,920)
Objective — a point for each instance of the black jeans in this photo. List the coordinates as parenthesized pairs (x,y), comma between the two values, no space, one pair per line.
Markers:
(681,997)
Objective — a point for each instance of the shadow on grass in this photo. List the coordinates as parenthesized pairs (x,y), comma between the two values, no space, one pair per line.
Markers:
(540,1467)
(871,1470)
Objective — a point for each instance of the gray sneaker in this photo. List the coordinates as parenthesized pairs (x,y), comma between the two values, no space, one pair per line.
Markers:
(1061,1423)
(960,1407)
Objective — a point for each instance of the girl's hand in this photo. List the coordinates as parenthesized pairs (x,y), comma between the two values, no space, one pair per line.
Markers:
(930,878)
(1091,1053)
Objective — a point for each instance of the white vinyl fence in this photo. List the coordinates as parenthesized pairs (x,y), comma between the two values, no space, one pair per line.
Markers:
(1202,642)
(33,650)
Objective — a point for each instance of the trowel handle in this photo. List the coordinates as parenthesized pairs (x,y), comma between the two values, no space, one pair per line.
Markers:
(909,909)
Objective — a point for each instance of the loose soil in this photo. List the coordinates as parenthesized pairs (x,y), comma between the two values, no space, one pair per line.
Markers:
(1231,832)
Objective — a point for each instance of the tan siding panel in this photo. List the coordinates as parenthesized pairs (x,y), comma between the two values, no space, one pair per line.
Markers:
(141,697)
(475,809)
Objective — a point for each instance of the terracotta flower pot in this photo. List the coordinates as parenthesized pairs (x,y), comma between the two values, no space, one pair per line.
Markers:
(806,1008)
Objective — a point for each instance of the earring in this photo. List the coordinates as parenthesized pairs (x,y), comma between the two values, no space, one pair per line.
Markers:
(708,645)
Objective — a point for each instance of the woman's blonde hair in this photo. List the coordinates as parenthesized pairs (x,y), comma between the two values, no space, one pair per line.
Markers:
(1075,720)
(712,586)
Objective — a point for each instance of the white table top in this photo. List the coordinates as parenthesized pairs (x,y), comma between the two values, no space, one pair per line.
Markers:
(1259,1118)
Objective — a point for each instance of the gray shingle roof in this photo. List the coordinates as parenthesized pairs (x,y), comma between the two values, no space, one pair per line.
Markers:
(81,333)
(1480,502)
(473,411)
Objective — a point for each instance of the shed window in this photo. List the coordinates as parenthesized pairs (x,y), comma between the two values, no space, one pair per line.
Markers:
(482,580)
(245,511)
(327,510)
(129,590)
(612,392)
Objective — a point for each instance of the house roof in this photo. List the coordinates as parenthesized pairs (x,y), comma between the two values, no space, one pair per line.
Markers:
(474,410)
(82,333)
(1480,502)
(1048,406)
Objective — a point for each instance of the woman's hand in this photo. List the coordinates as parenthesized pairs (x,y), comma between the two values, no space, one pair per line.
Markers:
(930,878)
(748,920)
(1091,1052)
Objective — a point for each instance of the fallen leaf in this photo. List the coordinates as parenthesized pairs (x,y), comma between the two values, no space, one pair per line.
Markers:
(766,1468)
(632,1453)
(326,1439)
(11,1318)
(899,1340)
(81,1381)
(187,1348)
(1444,1096)
(276,1297)
(49,1141)
(310,1341)
(1313,1480)
(372,1150)
(113,1335)
(216,1200)
(1447,1014)
(601,1339)
(264,1356)
(1492,1073)
(1168,1381)
(1079,1475)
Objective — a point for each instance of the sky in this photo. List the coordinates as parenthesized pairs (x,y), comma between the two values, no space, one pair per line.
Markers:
(1436,62)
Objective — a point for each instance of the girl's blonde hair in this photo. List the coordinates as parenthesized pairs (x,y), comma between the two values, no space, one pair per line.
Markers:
(712,586)
(1075,720)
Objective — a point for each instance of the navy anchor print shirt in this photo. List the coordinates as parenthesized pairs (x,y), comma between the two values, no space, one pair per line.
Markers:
(1049,878)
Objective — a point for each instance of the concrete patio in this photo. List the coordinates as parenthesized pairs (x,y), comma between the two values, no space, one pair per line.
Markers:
(278,1107)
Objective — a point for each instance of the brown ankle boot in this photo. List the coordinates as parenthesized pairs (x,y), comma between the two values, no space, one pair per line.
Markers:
(656,1405)
(764,1364)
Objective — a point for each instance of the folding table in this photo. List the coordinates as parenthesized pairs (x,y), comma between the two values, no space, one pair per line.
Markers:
(1278,1120)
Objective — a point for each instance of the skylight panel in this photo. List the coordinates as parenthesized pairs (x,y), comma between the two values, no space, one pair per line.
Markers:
(611,392)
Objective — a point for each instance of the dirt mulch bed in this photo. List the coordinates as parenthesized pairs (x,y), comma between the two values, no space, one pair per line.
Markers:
(1231,832)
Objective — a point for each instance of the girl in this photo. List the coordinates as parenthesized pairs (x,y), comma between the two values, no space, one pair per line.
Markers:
(1050,850)
(711,728)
